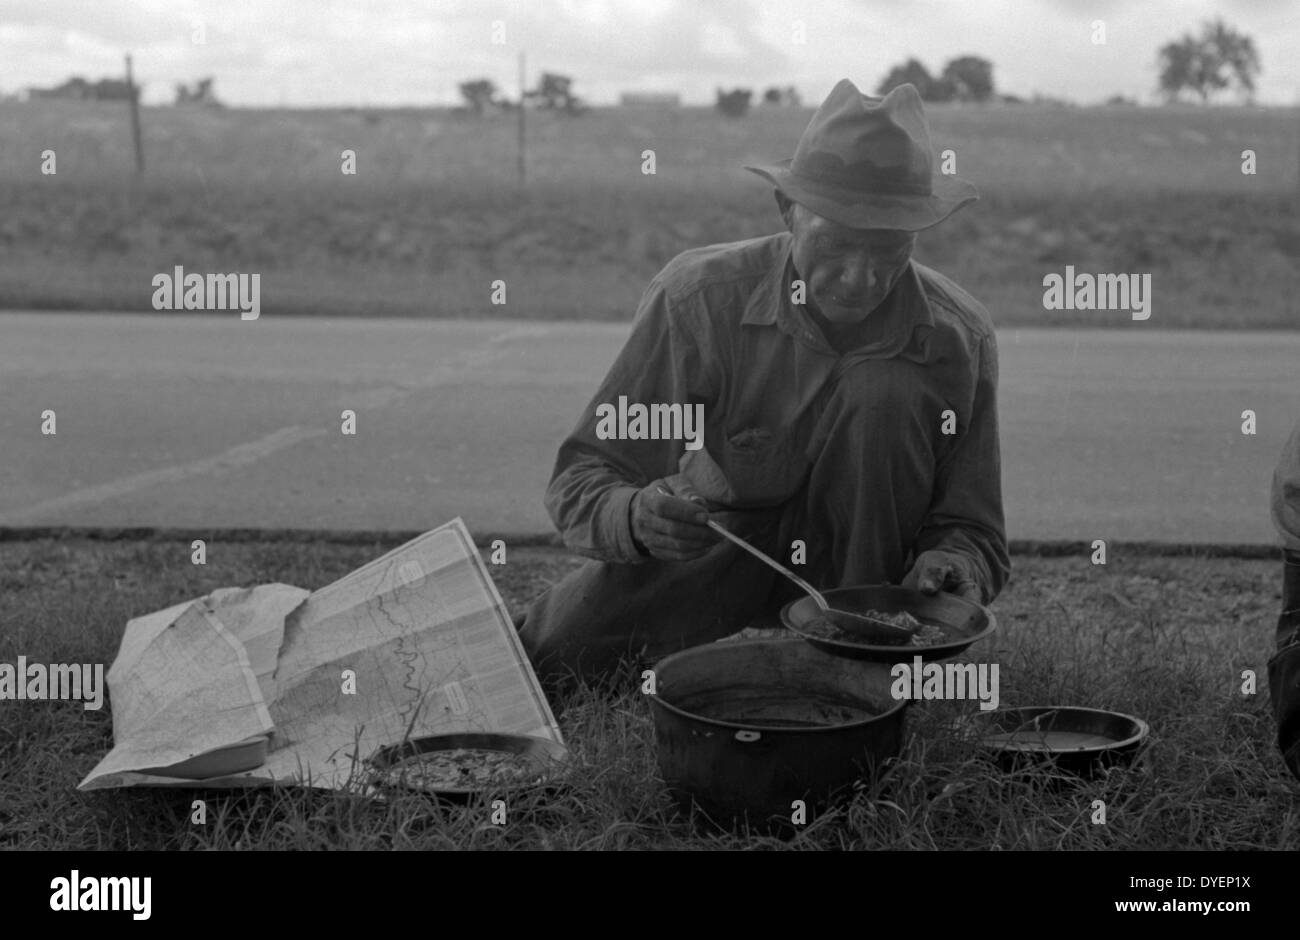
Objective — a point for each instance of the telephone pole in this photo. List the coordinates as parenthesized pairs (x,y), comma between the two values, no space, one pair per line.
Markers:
(523,173)
(134,95)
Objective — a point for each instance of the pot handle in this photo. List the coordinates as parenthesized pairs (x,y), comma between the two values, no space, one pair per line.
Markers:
(748,737)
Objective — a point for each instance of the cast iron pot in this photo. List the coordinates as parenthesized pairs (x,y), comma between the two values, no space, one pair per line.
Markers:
(746,727)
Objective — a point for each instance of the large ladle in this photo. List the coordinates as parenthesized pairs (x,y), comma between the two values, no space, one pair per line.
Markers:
(880,630)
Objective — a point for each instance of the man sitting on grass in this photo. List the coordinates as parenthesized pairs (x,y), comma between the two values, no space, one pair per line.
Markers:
(849,403)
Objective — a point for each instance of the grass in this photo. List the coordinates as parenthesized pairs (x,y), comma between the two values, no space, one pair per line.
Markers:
(434,214)
(1164,638)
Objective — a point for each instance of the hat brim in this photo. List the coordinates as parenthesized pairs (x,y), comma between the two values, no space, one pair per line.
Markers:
(901,213)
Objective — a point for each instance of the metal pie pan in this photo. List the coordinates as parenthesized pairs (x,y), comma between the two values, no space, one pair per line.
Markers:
(546,755)
(964,621)
(1078,740)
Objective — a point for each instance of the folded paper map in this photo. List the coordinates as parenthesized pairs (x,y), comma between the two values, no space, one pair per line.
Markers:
(274,684)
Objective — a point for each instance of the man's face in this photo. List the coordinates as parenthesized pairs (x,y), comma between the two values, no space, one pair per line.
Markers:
(848,272)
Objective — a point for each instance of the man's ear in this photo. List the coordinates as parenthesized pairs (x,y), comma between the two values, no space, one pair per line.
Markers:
(786,206)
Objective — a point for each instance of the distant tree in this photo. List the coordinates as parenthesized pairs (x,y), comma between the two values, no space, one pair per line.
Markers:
(1219,58)
(1120,100)
(479,94)
(555,93)
(114,89)
(734,103)
(200,94)
(912,72)
(79,89)
(76,87)
(969,77)
(1177,63)
(787,97)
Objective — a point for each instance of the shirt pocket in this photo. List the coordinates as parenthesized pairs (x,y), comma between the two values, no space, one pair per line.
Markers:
(764,466)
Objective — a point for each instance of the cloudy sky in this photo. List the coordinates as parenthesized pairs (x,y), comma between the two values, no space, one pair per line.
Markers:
(396,52)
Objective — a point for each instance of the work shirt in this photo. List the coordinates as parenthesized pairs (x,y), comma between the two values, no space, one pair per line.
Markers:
(718,327)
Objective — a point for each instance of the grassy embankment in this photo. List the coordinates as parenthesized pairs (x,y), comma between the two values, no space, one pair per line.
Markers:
(1163,638)
(433,215)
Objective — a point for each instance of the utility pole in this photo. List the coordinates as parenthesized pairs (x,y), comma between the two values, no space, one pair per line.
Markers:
(134,95)
(523,173)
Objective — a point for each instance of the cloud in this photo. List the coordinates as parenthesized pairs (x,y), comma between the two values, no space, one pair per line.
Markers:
(414,51)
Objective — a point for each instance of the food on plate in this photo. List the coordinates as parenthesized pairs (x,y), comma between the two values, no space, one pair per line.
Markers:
(463,768)
(927,634)
(923,634)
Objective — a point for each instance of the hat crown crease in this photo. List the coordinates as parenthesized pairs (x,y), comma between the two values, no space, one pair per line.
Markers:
(866,162)
(866,144)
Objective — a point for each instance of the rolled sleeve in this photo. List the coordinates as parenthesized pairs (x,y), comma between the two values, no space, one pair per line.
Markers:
(594,480)
(966,514)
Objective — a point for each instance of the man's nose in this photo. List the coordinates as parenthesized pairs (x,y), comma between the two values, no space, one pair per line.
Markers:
(857,278)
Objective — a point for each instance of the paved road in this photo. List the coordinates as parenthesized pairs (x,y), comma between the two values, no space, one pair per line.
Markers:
(208,422)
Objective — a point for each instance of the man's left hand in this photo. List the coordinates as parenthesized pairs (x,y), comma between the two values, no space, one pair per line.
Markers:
(937,570)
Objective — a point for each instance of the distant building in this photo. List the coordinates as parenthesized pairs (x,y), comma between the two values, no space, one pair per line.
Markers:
(649,99)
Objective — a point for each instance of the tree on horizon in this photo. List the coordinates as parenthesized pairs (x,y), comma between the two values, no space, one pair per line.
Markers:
(964,78)
(1219,58)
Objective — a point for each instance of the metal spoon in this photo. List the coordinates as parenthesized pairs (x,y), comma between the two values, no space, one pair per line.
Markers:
(882,630)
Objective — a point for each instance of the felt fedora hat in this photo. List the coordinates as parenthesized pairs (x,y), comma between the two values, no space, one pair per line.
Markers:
(866,163)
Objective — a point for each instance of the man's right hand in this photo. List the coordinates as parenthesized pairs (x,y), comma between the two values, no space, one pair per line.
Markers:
(671,527)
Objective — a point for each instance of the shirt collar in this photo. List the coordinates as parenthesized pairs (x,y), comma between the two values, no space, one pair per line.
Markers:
(770,304)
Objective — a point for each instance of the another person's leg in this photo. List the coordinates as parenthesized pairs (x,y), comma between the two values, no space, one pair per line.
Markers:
(1284,666)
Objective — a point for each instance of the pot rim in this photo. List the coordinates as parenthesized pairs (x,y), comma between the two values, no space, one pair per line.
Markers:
(657,701)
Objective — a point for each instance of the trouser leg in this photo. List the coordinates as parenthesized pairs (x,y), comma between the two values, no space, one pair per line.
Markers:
(602,613)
